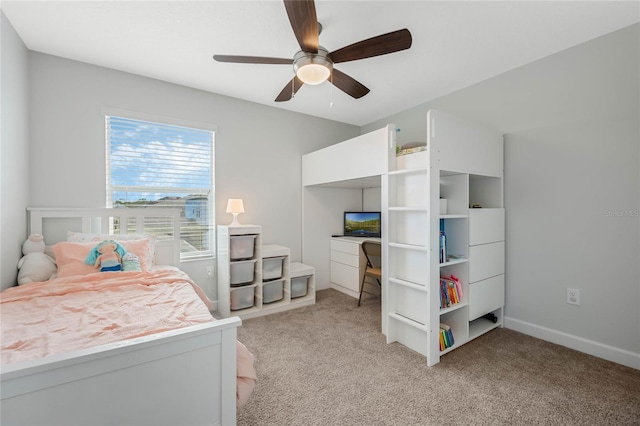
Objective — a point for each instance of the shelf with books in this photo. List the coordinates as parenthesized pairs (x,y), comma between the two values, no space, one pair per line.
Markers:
(447,339)
(453,308)
(453,261)
(451,291)
(429,192)
(457,321)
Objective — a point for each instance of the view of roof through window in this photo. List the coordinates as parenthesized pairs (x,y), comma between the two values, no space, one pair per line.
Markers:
(156,164)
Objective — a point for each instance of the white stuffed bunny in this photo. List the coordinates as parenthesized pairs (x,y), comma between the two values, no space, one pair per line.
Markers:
(35,265)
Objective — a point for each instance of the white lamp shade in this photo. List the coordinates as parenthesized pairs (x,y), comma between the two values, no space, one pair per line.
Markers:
(235,205)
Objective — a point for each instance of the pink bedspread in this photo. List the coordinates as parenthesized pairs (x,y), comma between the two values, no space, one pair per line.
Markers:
(77,312)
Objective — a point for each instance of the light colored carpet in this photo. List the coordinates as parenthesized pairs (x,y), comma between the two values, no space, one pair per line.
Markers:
(329,364)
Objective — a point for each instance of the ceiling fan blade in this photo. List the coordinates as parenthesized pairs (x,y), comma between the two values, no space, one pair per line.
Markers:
(289,90)
(375,46)
(348,85)
(302,16)
(251,59)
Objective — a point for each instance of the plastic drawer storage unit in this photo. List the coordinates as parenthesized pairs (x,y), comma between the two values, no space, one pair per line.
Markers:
(272,268)
(242,297)
(241,246)
(300,275)
(242,272)
(272,291)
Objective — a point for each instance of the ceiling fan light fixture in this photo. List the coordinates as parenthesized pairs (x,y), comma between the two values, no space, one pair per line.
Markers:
(313,73)
(312,68)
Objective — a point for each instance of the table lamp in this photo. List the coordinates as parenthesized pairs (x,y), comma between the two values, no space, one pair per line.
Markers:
(235,207)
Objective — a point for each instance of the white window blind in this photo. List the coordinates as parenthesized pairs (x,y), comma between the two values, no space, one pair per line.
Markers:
(160,165)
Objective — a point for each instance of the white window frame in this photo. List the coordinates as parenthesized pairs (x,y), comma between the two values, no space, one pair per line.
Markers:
(134,115)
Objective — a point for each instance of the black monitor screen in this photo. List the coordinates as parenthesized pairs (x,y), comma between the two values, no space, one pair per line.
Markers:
(362,224)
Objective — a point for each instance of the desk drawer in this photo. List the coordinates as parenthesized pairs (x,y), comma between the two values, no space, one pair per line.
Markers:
(344,246)
(345,258)
(345,276)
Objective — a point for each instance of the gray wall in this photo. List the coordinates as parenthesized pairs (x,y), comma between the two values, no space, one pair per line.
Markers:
(571,167)
(14,151)
(258,148)
(572,189)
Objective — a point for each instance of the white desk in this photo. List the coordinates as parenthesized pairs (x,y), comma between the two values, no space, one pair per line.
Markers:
(348,263)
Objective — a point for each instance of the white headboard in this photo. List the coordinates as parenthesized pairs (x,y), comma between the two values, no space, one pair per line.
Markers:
(53,224)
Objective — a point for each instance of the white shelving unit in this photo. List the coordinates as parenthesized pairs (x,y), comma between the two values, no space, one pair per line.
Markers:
(462,163)
(261,252)
(225,288)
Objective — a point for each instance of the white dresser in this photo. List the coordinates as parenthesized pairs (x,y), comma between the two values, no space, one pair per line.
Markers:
(347,264)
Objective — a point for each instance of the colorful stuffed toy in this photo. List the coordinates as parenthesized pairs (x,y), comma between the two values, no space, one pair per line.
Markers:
(35,265)
(106,255)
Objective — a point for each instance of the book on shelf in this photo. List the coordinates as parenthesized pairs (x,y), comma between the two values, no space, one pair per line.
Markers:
(450,291)
(446,337)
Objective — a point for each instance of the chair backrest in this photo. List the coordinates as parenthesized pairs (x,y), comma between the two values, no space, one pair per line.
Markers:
(373,252)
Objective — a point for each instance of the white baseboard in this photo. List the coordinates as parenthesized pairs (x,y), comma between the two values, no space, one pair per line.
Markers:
(610,353)
(345,290)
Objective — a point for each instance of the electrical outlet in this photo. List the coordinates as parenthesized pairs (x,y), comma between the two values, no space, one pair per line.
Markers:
(209,271)
(573,296)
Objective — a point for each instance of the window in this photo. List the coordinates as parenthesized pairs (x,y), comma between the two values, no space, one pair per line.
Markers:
(163,165)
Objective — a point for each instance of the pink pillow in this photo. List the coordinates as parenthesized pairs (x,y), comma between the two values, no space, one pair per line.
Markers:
(79,237)
(70,256)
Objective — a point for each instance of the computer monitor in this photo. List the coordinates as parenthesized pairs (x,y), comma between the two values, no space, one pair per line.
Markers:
(362,224)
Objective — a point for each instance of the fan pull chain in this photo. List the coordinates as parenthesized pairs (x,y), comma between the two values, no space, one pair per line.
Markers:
(293,87)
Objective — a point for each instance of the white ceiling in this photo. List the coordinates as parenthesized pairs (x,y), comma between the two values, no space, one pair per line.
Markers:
(455,44)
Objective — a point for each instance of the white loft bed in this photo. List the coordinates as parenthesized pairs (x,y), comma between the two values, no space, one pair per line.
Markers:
(334,179)
(356,163)
(461,157)
(184,376)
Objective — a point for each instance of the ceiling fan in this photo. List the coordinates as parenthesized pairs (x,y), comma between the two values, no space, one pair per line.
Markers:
(313,64)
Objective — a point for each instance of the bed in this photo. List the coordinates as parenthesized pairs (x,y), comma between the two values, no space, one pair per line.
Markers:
(447,186)
(127,347)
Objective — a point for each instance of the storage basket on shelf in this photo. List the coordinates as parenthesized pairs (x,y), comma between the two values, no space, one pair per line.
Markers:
(272,268)
(242,272)
(300,275)
(241,246)
(242,297)
(272,291)
(299,286)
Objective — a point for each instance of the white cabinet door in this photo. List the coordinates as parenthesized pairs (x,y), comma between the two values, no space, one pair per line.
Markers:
(485,296)
(485,261)
(486,226)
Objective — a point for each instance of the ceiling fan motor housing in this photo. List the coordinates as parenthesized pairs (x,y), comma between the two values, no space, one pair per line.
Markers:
(321,63)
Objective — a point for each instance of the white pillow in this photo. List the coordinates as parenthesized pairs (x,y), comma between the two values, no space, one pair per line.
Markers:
(80,237)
